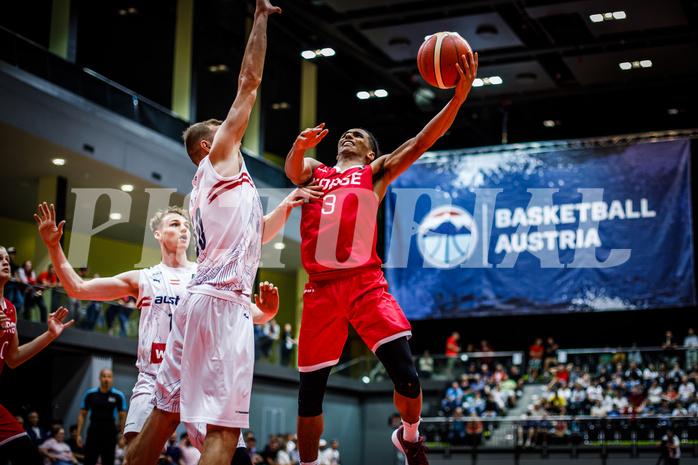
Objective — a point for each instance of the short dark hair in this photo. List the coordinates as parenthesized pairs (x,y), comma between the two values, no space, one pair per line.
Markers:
(373,141)
(197,132)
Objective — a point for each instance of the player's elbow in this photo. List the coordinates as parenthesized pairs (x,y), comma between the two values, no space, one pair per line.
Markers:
(249,82)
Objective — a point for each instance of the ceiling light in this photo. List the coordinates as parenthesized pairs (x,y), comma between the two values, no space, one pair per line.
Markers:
(626,65)
(646,63)
(324,52)
(115,216)
(366,379)
(218,68)
(673,111)
(127,188)
(487,81)
(58,161)
(548,123)
(609,16)
(478,83)
(496,80)
(279,246)
(366,94)
(280,106)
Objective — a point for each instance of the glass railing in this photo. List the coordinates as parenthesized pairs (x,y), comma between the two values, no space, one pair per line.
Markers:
(37,60)
(558,431)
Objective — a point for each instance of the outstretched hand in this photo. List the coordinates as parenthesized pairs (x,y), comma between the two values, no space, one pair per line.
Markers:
(265,7)
(55,322)
(301,195)
(50,233)
(268,299)
(310,137)
(467,75)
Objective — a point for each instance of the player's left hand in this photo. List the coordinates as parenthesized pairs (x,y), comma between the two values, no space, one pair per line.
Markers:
(268,299)
(55,322)
(4,321)
(304,194)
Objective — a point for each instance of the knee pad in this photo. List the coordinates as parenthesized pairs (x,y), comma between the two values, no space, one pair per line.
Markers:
(312,392)
(397,360)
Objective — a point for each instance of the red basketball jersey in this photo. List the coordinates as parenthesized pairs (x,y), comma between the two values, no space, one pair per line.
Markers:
(10,330)
(338,230)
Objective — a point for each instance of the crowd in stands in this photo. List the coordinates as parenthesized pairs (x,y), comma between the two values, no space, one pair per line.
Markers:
(280,449)
(622,383)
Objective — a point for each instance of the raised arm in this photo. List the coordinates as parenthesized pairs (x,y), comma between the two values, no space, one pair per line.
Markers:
(17,355)
(76,287)
(300,169)
(225,150)
(388,167)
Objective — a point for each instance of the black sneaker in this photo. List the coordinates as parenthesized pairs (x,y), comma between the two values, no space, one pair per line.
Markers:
(415,452)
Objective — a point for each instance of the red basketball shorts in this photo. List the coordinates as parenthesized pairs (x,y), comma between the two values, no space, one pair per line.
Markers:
(330,305)
(9,427)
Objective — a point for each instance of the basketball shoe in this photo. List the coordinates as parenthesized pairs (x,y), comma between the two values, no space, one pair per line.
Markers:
(415,452)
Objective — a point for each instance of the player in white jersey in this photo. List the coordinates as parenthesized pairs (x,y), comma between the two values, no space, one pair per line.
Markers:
(206,374)
(158,291)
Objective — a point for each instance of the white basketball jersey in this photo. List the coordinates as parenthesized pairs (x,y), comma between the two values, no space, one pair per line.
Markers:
(160,290)
(226,213)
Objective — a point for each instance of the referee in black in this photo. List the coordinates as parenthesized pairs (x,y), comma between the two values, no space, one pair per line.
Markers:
(108,407)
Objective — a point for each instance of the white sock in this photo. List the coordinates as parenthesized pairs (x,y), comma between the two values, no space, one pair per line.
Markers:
(411,431)
(314,462)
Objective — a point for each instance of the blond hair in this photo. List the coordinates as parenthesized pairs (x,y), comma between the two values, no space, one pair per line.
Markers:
(156,221)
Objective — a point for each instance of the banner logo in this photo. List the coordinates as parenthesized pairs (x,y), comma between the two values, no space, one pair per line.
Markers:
(447,237)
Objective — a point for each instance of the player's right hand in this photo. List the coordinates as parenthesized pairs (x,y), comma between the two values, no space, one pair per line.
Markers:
(268,299)
(50,233)
(4,321)
(310,137)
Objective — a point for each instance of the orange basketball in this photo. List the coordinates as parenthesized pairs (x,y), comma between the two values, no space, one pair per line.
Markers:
(437,58)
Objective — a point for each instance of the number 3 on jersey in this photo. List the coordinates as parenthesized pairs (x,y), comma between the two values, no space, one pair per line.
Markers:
(328,204)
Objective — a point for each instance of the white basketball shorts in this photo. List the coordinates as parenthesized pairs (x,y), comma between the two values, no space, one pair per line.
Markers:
(140,404)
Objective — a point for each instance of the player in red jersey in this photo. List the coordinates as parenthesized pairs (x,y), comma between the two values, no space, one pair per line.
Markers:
(346,283)
(15,445)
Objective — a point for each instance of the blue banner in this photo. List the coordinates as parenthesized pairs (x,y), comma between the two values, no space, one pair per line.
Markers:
(542,229)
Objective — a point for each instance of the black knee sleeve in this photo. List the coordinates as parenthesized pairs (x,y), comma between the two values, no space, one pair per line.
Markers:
(396,357)
(312,392)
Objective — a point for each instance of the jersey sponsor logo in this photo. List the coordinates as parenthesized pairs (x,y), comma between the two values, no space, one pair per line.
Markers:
(111,399)
(157,352)
(166,299)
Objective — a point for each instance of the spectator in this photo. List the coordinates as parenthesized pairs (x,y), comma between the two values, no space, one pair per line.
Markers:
(33,294)
(597,410)
(605,360)
(655,393)
(425,365)
(649,373)
(452,352)
(453,397)
(13,289)
(190,454)
(515,375)
(686,389)
(251,443)
(36,433)
(676,374)
(633,371)
(56,451)
(671,448)
(106,404)
(172,452)
(620,357)
(49,279)
(332,452)
(635,356)
(77,451)
(74,306)
(578,400)
(322,459)
(457,432)
(271,450)
(535,358)
(486,350)
(669,346)
(120,451)
(271,332)
(121,311)
(690,342)
(288,342)
(474,429)
(679,410)
(551,348)
(93,311)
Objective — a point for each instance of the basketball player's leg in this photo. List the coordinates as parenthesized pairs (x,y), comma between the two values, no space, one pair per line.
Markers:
(145,447)
(219,445)
(396,357)
(310,423)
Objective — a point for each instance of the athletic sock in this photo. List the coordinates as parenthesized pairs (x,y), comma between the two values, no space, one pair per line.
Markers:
(314,462)
(411,431)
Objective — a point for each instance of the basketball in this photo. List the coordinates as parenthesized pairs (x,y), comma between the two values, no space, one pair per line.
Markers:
(437,58)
